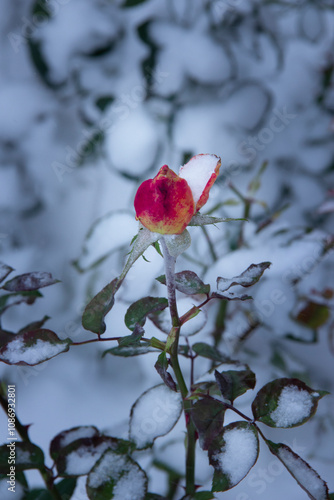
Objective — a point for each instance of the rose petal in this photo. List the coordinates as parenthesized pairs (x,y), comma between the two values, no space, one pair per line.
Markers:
(164,204)
(200,173)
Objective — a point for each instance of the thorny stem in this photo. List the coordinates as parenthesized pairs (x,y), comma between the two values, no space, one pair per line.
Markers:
(187,404)
(22,430)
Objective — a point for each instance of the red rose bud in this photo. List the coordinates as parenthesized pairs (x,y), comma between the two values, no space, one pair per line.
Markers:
(167,203)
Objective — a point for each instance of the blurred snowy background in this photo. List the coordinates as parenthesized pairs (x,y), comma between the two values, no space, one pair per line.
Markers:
(96,95)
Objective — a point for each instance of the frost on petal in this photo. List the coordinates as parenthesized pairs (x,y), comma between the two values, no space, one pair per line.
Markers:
(200,173)
(294,405)
(164,204)
(154,414)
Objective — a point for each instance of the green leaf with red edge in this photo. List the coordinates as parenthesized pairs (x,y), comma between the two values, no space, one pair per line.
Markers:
(246,279)
(6,337)
(313,315)
(32,348)
(27,456)
(14,299)
(139,310)
(188,283)
(4,271)
(208,351)
(233,454)
(134,338)
(64,438)
(29,281)
(116,472)
(130,350)
(203,495)
(36,325)
(234,383)
(162,366)
(285,402)
(98,308)
(208,417)
(307,478)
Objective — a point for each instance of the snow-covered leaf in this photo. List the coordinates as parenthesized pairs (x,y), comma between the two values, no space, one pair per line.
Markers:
(139,310)
(286,402)
(29,281)
(98,307)
(233,454)
(79,456)
(202,220)
(26,456)
(248,278)
(154,414)
(208,417)
(234,383)
(117,477)
(33,347)
(142,241)
(306,477)
(187,282)
(4,271)
(162,366)
(64,438)
(228,295)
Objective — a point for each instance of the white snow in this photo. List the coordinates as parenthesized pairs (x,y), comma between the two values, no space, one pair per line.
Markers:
(154,414)
(5,494)
(238,455)
(294,405)
(16,350)
(197,173)
(82,460)
(83,28)
(306,476)
(74,434)
(132,140)
(129,479)
(112,231)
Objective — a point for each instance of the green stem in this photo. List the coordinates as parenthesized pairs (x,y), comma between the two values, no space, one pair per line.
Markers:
(187,404)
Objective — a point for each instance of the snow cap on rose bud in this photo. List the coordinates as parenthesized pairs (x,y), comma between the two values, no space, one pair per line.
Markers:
(167,203)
